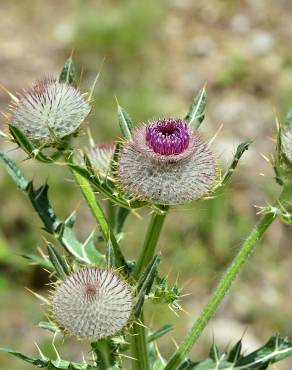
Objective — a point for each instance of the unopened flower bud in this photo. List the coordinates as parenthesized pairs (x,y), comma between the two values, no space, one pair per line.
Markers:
(92,303)
(49,108)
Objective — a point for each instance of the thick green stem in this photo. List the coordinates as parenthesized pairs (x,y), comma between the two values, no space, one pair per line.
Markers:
(139,333)
(139,351)
(226,281)
(150,242)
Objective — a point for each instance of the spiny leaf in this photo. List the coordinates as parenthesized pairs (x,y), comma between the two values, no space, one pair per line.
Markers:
(69,72)
(24,143)
(276,349)
(35,259)
(85,252)
(238,154)
(50,364)
(125,122)
(14,172)
(145,283)
(196,115)
(58,262)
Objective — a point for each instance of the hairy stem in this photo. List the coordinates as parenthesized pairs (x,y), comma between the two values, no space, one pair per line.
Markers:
(225,283)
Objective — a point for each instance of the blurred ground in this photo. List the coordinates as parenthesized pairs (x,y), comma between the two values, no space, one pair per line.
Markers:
(157,56)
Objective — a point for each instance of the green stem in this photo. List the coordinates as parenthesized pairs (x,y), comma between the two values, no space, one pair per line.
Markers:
(105,357)
(225,283)
(98,214)
(139,350)
(150,242)
(139,334)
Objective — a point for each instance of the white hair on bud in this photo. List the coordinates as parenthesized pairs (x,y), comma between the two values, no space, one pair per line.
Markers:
(49,105)
(92,303)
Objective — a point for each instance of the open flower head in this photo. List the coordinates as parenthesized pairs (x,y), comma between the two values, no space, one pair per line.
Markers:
(49,108)
(92,303)
(166,162)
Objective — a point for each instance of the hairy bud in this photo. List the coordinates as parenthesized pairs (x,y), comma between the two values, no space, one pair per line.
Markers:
(92,303)
(49,108)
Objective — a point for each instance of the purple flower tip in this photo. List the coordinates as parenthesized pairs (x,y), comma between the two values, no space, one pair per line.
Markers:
(168,136)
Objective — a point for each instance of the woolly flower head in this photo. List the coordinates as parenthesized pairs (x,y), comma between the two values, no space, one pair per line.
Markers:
(166,162)
(286,139)
(49,105)
(92,303)
(100,156)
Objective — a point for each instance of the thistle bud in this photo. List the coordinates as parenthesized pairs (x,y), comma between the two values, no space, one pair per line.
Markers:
(166,162)
(100,157)
(286,139)
(92,303)
(48,110)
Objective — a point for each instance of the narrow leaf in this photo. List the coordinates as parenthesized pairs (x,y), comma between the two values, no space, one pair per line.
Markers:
(195,115)
(69,72)
(145,283)
(125,122)
(160,332)
(58,262)
(238,154)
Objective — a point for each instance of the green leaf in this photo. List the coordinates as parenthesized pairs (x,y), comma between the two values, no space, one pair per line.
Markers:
(145,283)
(125,122)
(276,349)
(58,262)
(160,332)
(50,364)
(84,252)
(196,115)
(238,154)
(14,172)
(40,261)
(24,143)
(41,203)
(69,72)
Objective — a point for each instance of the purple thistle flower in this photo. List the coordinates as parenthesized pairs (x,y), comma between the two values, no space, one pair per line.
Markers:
(49,105)
(92,303)
(166,162)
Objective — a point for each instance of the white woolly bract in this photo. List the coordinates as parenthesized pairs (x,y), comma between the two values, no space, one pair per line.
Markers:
(169,180)
(92,303)
(286,140)
(49,104)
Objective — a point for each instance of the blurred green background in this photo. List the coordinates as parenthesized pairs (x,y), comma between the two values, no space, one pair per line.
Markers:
(157,56)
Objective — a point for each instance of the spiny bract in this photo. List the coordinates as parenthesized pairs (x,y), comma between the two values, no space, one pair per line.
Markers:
(49,108)
(92,303)
(166,162)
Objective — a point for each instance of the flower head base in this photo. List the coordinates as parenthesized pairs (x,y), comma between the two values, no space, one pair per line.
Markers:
(92,303)
(49,106)
(168,136)
(166,162)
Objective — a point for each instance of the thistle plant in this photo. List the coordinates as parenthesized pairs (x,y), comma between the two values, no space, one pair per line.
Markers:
(99,297)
